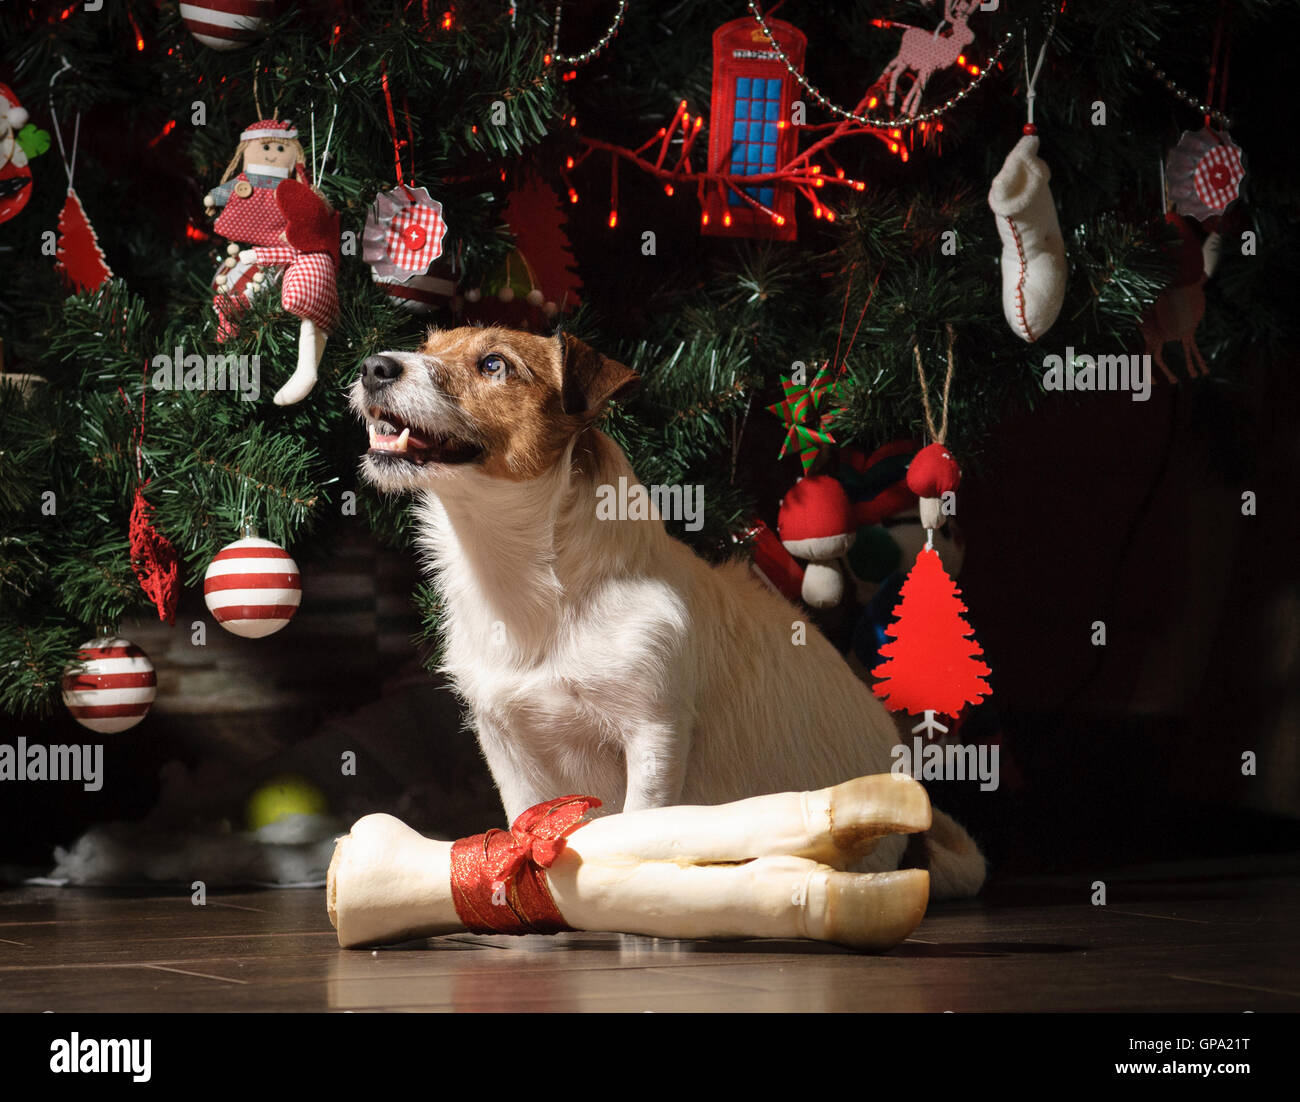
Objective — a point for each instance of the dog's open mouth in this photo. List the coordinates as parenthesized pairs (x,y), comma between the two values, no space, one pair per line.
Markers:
(395,440)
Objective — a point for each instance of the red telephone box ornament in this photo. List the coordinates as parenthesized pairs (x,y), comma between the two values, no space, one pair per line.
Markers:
(751,133)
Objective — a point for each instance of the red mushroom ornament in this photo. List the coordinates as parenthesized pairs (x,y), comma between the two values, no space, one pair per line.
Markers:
(933,473)
(816,523)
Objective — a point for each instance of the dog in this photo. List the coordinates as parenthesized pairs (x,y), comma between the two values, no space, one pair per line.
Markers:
(603,656)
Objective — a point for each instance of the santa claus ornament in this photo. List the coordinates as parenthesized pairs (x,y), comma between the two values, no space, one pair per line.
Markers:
(19,141)
(252,587)
(110,687)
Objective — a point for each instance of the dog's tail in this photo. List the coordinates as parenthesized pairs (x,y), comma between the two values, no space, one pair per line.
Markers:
(956,865)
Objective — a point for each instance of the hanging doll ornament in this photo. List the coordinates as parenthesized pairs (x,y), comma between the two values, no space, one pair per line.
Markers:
(19,141)
(1033,250)
(78,257)
(268,154)
(931,664)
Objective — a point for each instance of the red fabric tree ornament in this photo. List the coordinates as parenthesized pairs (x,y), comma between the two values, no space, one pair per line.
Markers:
(154,560)
(931,662)
(79,258)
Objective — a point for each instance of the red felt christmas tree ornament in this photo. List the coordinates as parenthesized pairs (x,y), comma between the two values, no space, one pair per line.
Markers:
(932,664)
(78,257)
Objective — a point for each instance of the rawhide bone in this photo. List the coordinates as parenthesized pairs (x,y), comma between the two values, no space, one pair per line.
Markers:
(770,866)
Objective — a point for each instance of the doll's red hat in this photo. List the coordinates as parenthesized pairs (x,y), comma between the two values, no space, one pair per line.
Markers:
(269,128)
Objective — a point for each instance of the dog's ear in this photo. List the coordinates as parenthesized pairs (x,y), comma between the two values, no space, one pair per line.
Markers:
(588,379)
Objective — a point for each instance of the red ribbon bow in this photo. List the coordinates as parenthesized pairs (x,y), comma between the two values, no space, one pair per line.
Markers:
(497,880)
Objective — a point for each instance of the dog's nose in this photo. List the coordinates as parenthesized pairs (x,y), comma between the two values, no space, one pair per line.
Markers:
(379,371)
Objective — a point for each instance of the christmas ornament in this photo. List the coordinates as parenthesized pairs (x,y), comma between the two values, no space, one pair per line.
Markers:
(282,796)
(403,233)
(19,142)
(111,685)
(772,563)
(816,523)
(309,283)
(225,24)
(1178,309)
(252,587)
(386,883)
(1033,250)
(402,241)
(79,259)
(233,286)
(931,475)
(154,559)
(1205,171)
(923,52)
(537,278)
(808,411)
(931,666)
(751,135)
(268,154)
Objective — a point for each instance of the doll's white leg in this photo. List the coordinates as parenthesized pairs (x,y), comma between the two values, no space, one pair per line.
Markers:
(832,825)
(311,347)
(388,883)
(782,897)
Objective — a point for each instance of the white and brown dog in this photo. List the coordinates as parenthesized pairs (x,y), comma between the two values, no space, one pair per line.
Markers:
(600,656)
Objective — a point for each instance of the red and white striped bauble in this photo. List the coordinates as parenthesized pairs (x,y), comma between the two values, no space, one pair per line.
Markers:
(111,686)
(252,587)
(225,24)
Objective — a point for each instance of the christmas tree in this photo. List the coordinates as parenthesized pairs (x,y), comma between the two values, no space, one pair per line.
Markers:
(931,665)
(858,244)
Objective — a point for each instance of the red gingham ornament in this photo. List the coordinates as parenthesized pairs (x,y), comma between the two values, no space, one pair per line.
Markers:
(252,587)
(111,686)
(225,24)
(403,233)
(1205,171)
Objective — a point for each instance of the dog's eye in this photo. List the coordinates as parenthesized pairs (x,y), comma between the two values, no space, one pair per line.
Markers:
(493,366)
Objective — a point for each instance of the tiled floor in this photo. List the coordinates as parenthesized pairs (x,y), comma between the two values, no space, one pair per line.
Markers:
(1202,937)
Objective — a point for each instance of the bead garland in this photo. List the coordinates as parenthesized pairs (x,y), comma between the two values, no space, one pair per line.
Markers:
(587,55)
(869,120)
(1191,101)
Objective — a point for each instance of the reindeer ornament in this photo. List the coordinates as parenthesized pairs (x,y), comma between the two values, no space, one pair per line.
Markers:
(923,53)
